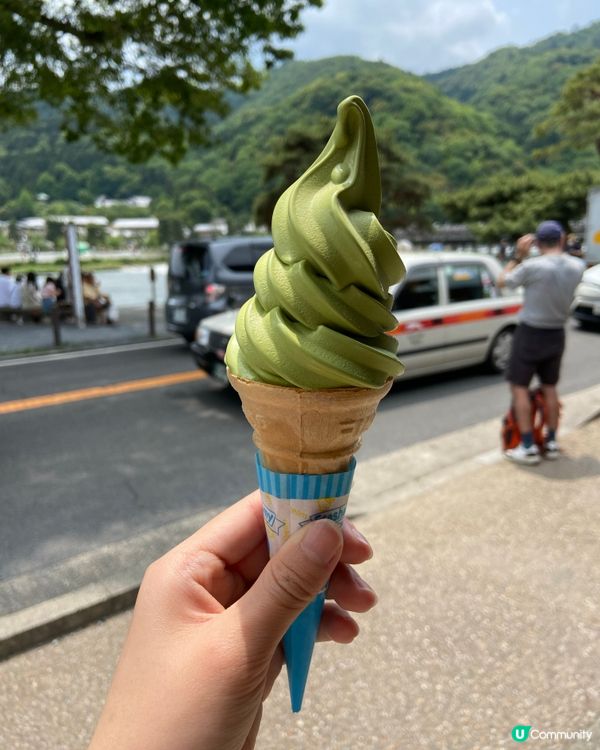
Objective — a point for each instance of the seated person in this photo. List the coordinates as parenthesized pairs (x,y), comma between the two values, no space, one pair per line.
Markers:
(95,303)
(49,295)
(31,299)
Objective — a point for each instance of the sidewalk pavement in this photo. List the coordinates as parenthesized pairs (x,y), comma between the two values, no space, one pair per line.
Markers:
(489,584)
(133,326)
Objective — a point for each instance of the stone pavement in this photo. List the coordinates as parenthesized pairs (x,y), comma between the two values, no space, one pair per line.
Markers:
(489,586)
(31,337)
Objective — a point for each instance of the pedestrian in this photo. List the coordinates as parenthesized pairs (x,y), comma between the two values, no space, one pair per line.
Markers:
(60,287)
(95,302)
(574,246)
(202,652)
(549,282)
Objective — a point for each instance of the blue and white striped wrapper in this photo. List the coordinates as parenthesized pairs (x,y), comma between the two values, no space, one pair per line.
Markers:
(290,501)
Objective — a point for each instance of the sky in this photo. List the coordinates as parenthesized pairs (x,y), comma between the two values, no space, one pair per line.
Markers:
(425,36)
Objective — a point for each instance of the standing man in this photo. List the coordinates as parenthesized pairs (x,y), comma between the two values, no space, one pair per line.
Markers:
(549,282)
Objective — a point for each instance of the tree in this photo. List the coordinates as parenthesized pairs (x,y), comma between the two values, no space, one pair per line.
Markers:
(288,158)
(4,190)
(141,77)
(197,210)
(55,231)
(96,235)
(509,206)
(21,207)
(576,114)
(170,229)
(404,192)
(46,184)
(13,231)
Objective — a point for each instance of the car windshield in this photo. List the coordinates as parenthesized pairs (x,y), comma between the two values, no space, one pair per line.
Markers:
(189,263)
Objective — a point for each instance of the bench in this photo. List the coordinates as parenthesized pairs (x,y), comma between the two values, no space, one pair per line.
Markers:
(12,313)
(65,310)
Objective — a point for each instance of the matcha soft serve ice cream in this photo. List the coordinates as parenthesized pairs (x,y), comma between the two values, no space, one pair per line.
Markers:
(310,357)
(322,307)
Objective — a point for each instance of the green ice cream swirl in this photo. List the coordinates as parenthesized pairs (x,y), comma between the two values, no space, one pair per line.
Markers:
(322,307)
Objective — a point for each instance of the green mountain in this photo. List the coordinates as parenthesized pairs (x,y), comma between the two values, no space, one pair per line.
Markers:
(448,142)
(518,85)
(454,128)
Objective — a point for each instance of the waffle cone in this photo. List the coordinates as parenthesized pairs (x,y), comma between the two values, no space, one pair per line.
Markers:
(307,432)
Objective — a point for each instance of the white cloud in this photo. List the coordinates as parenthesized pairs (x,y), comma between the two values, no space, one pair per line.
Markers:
(417,35)
(430,35)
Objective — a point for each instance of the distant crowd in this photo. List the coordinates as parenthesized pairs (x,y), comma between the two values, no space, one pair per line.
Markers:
(24,297)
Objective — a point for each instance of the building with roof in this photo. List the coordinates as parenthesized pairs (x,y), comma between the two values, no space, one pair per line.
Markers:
(32,224)
(132,228)
(135,201)
(214,228)
(81,221)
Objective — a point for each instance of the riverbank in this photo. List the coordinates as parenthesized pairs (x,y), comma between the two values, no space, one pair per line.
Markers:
(94,263)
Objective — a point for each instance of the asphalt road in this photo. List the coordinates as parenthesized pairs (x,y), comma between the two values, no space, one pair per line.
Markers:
(97,470)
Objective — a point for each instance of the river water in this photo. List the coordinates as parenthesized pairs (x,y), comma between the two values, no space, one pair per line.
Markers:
(130,286)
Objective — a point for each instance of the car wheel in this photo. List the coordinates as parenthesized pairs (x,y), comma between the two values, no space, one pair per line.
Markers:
(189,337)
(499,354)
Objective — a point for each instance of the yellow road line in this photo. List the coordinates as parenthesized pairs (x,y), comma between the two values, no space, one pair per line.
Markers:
(100,391)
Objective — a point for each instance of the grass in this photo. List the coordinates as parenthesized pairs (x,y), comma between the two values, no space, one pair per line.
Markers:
(86,265)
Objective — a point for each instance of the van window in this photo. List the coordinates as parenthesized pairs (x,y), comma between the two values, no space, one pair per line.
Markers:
(469,282)
(243,258)
(240,259)
(189,262)
(420,289)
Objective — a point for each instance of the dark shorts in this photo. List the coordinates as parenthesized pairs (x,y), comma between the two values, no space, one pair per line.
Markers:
(536,351)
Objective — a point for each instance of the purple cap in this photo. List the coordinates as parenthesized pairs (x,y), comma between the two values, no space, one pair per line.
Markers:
(549,232)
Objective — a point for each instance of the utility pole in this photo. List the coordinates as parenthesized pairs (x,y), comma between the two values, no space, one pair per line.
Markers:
(75,271)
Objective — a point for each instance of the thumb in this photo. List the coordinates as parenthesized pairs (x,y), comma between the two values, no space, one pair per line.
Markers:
(289,581)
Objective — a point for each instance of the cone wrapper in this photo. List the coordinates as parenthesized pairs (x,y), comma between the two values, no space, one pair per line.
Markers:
(290,501)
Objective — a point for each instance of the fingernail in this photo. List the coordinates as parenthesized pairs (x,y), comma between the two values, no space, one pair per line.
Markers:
(322,541)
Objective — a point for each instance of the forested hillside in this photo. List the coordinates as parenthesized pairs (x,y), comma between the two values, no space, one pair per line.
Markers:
(454,129)
(450,143)
(518,85)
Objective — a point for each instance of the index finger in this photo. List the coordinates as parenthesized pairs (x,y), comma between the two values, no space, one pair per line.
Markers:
(232,534)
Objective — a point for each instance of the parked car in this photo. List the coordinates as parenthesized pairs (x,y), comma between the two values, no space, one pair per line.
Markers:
(450,314)
(208,277)
(586,305)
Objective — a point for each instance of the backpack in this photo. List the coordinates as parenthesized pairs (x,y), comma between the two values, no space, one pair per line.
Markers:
(511,435)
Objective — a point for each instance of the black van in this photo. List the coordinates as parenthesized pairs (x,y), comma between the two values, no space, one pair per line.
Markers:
(210,276)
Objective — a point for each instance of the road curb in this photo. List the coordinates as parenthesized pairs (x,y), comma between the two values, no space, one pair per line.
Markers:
(29,356)
(44,622)
(380,483)
(114,572)
(396,476)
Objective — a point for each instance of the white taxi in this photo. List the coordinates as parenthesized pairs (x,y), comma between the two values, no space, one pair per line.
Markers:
(450,314)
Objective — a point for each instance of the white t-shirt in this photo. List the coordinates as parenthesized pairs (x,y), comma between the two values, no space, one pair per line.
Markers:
(6,290)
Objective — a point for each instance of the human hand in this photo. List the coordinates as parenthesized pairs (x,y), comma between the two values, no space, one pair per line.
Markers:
(524,245)
(203,651)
